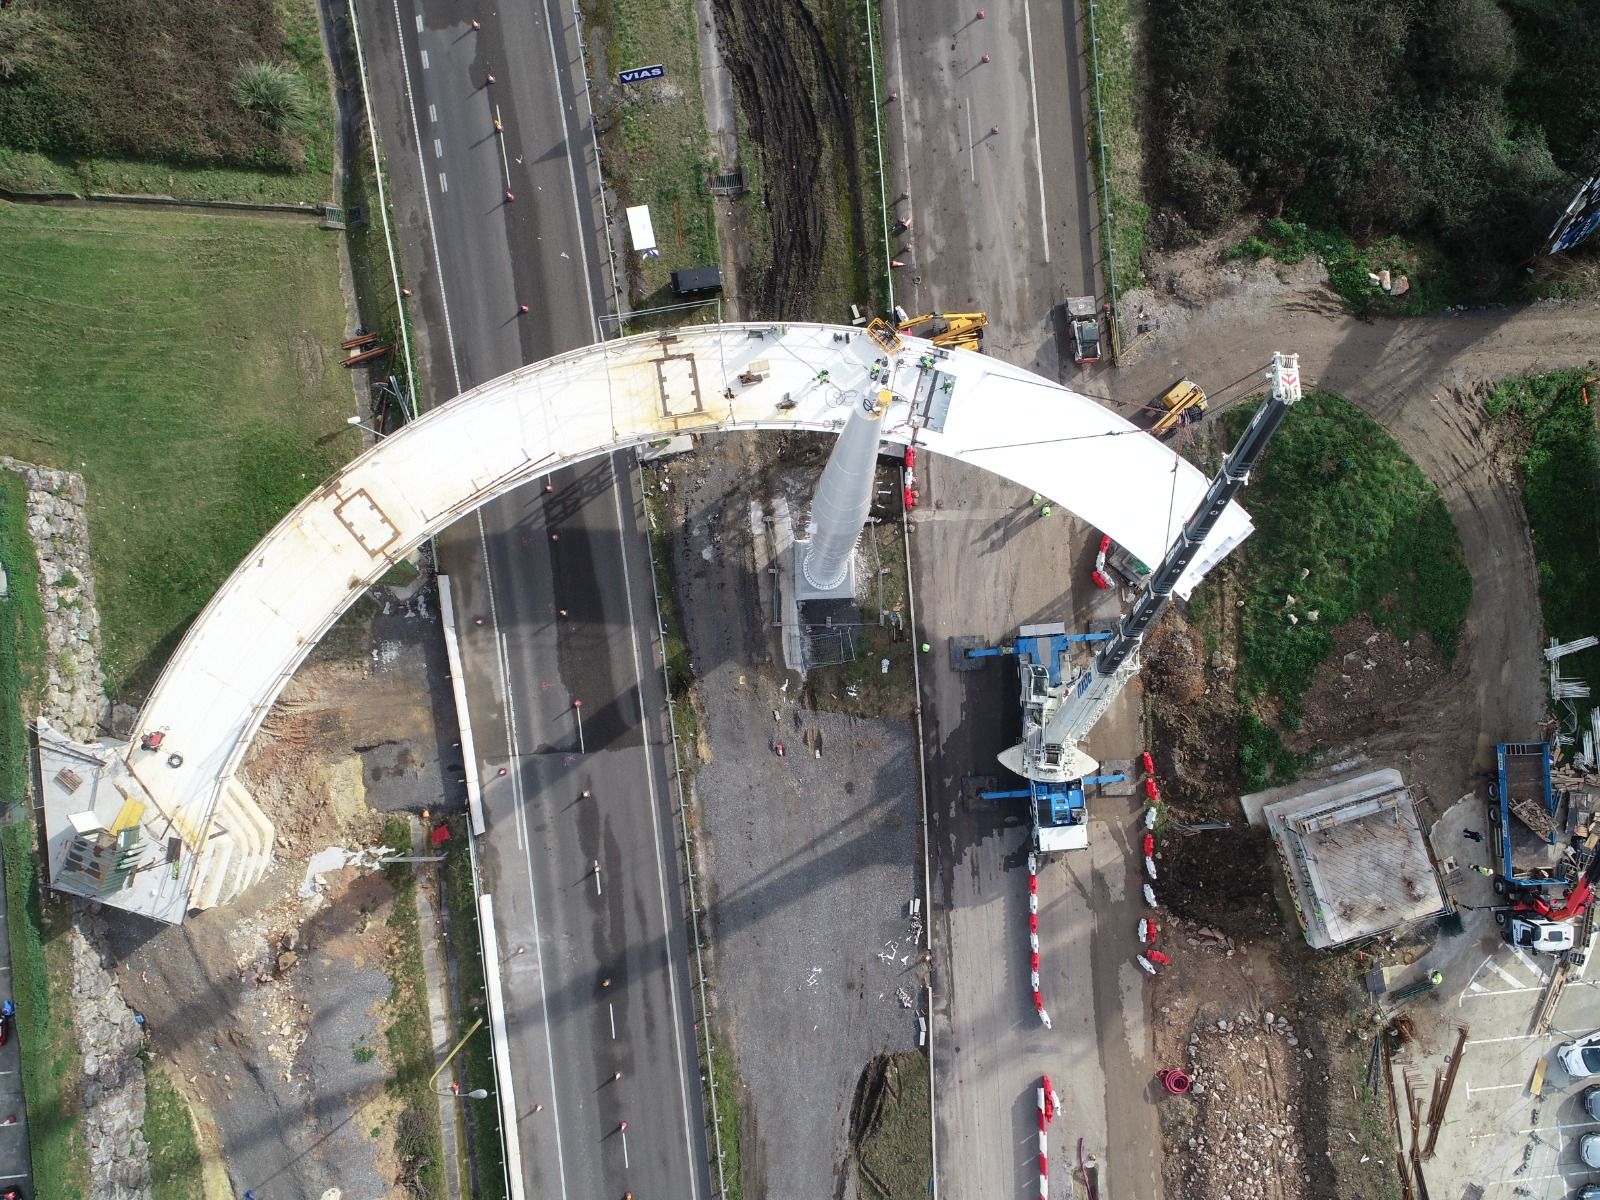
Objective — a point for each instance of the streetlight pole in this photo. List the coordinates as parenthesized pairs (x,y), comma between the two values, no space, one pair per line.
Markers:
(360,424)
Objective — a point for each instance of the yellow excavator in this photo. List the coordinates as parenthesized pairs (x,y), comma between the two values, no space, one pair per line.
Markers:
(955,331)
(1185,403)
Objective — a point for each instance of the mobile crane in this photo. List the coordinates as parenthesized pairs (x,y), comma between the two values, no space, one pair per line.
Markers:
(1534,923)
(1060,702)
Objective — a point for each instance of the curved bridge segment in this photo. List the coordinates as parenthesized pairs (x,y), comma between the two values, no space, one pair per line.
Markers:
(224,676)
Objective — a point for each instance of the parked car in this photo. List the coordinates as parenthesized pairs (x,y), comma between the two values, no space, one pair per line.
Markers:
(1589,1192)
(1581,1059)
(1589,1150)
(1591,1101)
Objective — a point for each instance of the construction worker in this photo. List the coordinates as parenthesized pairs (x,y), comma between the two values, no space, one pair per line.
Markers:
(1036,499)
(822,375)
(1482,870)
(1045,511)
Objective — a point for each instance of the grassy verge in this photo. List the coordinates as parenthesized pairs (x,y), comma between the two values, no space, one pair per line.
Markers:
(416,1124)
(187,366)
(893,1150)
(675,643)
(725,1082)
(653,135)
(41,971)
(176,1171)
(1555,423)
(1116,23)
(1433,285)
(1346,524)
(107,123)
(476,1057)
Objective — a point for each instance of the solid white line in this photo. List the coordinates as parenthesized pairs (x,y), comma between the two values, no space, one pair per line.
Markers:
(1516,1037)
(577,201)
(501,138)
(427,203)
(1038,153)
(1505,991)
(612,1009)
(521,809)
(661,870)
(625,1163)
(972,164)
(1495,1087)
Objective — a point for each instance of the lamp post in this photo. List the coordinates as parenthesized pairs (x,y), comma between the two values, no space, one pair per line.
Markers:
(474,1094)
(360,424)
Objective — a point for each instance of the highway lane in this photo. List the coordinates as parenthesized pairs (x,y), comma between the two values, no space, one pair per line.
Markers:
(474,257)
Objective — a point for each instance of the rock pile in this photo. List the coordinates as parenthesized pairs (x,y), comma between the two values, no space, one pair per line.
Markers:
(112,1089)
(1245,1143)
(74,697)
(109,1039)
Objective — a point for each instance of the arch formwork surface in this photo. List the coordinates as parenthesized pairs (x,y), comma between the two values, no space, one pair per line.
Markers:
(214,693)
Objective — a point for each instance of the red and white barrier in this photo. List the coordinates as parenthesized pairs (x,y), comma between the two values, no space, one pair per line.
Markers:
(1048,1103)
(1033,939)
(1099,573)
(1152,959)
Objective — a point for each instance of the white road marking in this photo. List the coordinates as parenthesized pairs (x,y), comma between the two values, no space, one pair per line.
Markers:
(577,208)
(612,1009)
(1495,1087)
(1505,991)
(501,138)
(433,113)
(427,203)
(1038,153)
(661,870)
(1515,1037)
(972,162)
(1506,975)
(419,22)
(438,148)
(425,63)
(1522,957)
(444,182)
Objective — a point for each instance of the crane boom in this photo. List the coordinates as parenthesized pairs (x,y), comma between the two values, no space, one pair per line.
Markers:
(1049,749)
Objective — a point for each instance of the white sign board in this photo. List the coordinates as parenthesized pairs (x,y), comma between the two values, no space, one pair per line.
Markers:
(640,230)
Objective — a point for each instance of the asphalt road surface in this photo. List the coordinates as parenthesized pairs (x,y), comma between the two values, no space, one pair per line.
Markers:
(561,704)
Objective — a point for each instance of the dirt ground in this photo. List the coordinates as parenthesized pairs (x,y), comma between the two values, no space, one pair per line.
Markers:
(269,1013)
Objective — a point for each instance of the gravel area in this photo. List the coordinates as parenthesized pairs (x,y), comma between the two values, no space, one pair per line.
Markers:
(811,857)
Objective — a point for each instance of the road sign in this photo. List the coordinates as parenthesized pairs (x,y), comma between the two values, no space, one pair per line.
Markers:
(640,74)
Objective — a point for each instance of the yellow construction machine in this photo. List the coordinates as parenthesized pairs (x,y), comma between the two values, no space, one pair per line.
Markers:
(1185,404)
(954,331)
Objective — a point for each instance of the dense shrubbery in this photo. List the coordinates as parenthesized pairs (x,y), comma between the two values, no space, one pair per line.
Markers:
(154,79)
(1459,121)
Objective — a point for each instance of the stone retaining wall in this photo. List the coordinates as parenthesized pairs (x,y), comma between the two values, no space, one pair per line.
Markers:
(109,1039)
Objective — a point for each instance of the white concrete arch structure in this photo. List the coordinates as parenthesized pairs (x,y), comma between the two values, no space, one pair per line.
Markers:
(236,657)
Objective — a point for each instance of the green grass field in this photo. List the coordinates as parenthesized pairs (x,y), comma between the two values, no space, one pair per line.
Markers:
(1337,499)
(187,366)
(1560,475)
(1116,22)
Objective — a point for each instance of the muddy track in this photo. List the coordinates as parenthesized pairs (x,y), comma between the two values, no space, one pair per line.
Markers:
(792,93)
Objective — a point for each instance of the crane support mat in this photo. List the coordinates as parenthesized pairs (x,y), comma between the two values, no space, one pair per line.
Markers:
(1118,766)
(958,653)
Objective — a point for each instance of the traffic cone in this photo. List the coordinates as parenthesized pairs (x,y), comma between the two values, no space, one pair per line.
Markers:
(896,263)
(475,24)
(985,58)
(488,77)
(523,309)
(511,196)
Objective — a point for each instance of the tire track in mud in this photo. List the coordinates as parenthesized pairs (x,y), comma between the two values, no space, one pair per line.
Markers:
(794,97)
